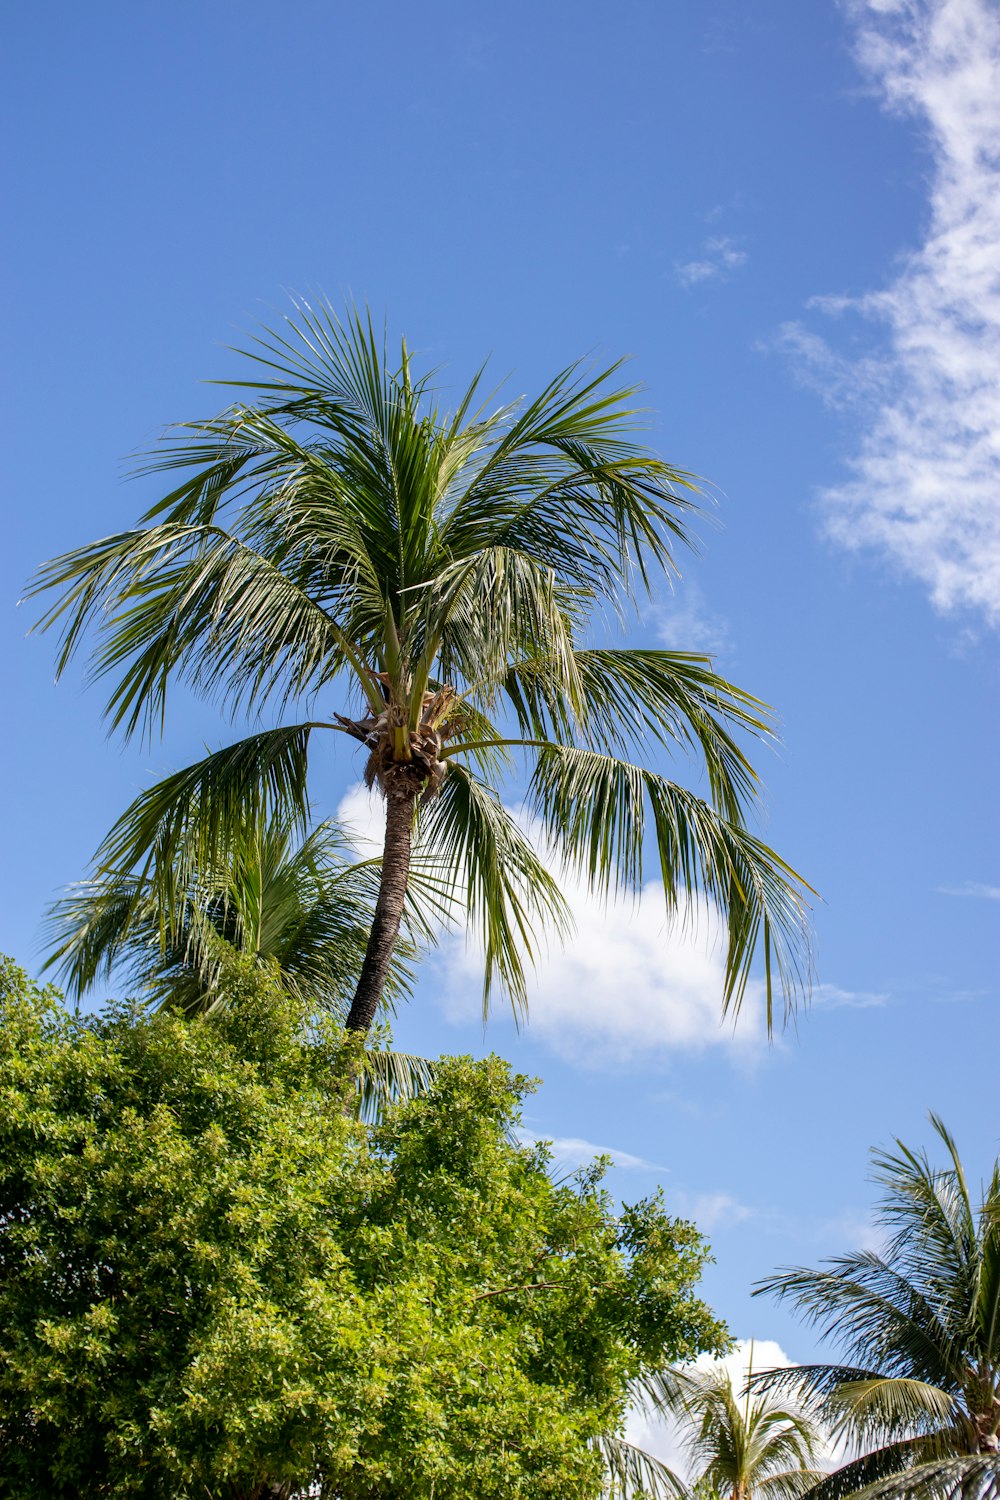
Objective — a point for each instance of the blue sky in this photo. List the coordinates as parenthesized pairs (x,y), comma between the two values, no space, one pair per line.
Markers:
(786,213)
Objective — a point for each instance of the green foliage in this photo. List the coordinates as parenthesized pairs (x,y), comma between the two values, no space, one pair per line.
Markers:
(917,1389)
(214,1280)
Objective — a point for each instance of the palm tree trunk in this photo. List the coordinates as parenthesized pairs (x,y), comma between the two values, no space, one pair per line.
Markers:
(389,907)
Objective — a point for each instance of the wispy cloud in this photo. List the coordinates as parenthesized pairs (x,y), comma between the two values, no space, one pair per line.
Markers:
(924,486)
(711,1211)
(686,623)
(832,997)
(972,888)
(574,1151)
(719,255)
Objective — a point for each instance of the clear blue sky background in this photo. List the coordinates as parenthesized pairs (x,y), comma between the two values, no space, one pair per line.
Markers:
(539,181)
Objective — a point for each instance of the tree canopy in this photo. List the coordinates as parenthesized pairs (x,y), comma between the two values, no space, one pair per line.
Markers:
(215,1280)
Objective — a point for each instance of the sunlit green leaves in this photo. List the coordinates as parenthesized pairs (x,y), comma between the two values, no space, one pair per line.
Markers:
(213,1279)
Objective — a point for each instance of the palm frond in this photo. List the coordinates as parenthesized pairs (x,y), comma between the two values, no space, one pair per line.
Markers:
(790,1484)
(386,1077)
(511,898)
(891,1475)
(186,822)
(638,700)
(303,906)
(922,1316)
(878,1407)
(594,809)
(875,1312)
(633,1474)
(338,524)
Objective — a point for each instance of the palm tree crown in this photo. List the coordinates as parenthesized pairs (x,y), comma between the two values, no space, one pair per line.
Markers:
(918,1389)
(446,568)
(739,1445)
(749,1445)
(302,907)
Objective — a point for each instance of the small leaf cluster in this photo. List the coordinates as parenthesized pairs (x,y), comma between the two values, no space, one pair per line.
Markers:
(216,1280)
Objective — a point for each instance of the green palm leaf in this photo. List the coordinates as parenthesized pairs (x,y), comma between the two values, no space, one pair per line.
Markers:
(744,1445)
(300,906)
(511,898)
(633,1474)
(597,811)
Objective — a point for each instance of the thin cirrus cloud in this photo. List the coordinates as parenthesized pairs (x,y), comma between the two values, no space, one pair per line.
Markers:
(684,622)
(571,1152)
(974,888)
(832,997)
(719,256)
(924,481)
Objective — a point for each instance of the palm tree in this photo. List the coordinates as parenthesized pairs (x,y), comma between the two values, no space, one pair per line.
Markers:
(919,1328)
(303,907)
(446,568)
(300,909)
(739,1446)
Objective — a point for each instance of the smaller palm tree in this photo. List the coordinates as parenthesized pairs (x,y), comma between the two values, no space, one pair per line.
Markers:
(740,1446)
(918,1388)
(299,907)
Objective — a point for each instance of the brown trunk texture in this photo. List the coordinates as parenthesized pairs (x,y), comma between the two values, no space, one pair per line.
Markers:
(388,908)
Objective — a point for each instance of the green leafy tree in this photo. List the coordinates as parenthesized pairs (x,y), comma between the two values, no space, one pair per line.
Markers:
(214,1281)
(444,568)
(918,1388)
(748,1445)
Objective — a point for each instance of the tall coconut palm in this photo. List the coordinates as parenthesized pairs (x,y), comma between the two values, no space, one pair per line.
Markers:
(739,1446)
(301,909)
(918,1387)
(444,569)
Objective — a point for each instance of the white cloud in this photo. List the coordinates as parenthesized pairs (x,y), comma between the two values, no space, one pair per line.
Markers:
(972,888)
(685,623)
(720,255)
(629,983)
(925,481)
(363,815)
